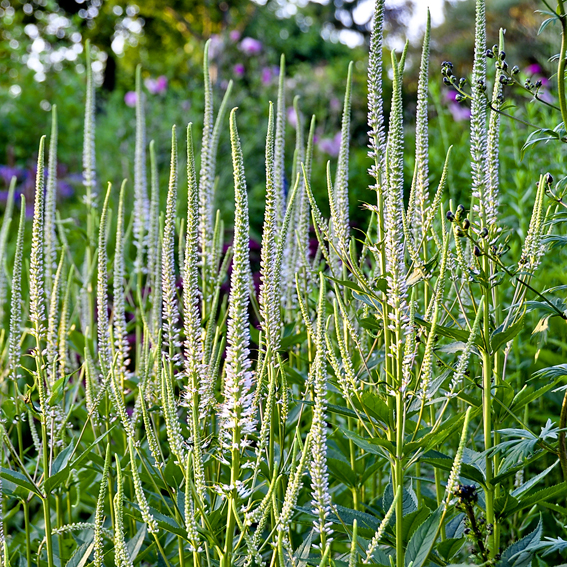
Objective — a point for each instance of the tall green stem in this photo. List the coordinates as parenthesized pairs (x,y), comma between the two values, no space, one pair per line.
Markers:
(487,407)
(561,63)
(46,507)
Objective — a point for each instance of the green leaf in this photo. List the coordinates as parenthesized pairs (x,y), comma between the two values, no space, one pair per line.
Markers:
(353,286)
(518,492)
(409,499)
(81,555)
(444,462)
(412,521)
(550,493)
(19,480)
(450,547)
(372,445)
(288,342)
(519,554)
(375,406)
(341,471)
(135,544)
(528,394)
(450,332)
(424,539)
(502,337)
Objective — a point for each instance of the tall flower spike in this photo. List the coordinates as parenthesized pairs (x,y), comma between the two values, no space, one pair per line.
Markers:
(169,408)
(293,250)
(533,247)
(6,222)
(463,362)
(394,207)
(153,226)
(141,203)
(294,487)
(341,226)
(302,225)
(52,320)
(206,176)
(419,195)
(493,149)
(199,391)
(427,361)
(63,356)
(318,466)
(457,462)
(103,324)
(37,272)
(89,159)
(121,554)
(237,411)
(139,491)
(170,308)
(119,317)
(377,132)
(16,299)
(50,204)
(218,128)
(99,512)
(269,292)
(478,116)
(279,148)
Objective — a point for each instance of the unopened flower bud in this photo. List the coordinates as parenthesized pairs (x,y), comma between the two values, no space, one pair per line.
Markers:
(466,224)
(489,53)
(460,212)
(538,84)
(548,178)
(450,216)
(484,232)
(515,70)
(502,55)
(476,251)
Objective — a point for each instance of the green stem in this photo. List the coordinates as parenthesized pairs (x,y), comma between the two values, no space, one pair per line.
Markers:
(561,64)
(487,412)
(45,500)
(28,531)
(399,469)
(231,521)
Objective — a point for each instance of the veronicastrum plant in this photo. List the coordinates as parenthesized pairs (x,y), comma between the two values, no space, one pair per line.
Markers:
(356,410)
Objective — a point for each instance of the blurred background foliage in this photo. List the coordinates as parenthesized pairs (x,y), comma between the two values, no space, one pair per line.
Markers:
(42,63)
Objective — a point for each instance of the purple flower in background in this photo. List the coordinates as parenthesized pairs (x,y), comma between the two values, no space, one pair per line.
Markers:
(459,112)
(267,75)
(130,98)
(335,104)
(331,146)
(239,69)
(534,69)
(292,116)
(250,46)
(156,86)
(451,96)
(234,35)
(7,172)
